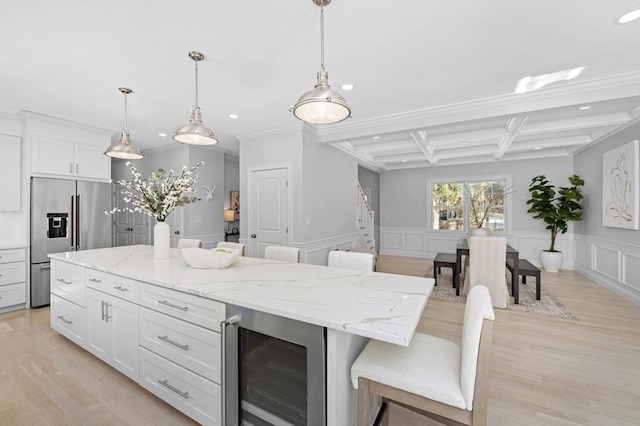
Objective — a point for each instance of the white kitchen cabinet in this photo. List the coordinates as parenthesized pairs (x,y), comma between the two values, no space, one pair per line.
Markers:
(13,272)
(112,333)
(10,174)
(68,282)
(68,319)
(59,157)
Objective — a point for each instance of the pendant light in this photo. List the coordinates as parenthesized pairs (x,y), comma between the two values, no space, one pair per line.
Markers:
(124,148)
(322,105)
(195,133)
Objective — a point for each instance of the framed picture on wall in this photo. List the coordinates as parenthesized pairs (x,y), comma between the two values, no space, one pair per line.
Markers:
(620,181)
(234,204)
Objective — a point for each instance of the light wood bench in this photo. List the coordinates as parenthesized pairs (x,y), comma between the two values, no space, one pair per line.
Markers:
(526,268)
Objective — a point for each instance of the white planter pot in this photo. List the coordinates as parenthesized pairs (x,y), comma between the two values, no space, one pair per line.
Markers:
(480,232)
(161,241)
(551,260)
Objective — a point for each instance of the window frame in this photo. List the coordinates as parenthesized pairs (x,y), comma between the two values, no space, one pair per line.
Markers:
(508,211)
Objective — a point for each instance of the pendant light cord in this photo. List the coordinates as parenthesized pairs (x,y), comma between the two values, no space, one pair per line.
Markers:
(126,129)
(196,61)
(322,38)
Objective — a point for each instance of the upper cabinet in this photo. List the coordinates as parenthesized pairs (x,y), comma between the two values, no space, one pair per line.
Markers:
(51,156)
(10,173)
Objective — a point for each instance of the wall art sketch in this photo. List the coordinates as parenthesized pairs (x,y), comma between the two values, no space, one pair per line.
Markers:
(620,182)
(234,204)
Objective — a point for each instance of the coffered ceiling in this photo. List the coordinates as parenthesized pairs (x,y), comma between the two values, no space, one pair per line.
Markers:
(434,80)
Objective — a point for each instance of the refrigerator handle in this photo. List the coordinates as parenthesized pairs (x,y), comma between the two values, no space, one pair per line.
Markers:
(78,247)
(72,225)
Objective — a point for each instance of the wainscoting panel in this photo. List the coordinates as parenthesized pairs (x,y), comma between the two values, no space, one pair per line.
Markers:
(316,252)
(415,241)
(391,240)
(611,264)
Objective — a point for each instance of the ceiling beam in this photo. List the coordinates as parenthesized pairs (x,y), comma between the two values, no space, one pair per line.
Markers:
(513,127)
(420,138)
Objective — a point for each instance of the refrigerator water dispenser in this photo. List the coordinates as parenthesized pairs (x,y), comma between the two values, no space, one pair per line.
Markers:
(57,227)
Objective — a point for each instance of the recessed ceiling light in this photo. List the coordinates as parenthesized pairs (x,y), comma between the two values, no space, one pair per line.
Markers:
(464,143)
(162,135)
(376,137)
(347,87)
(585,107)
(404,161)
(537,148)
(628,17)
(234,116)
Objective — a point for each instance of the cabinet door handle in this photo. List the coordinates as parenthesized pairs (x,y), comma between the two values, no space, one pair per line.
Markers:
(121,288)
(106,311)
(62,318)
(174,343)
(171,305)
(166,384)
(95,280)
(102,310)
(70,168)
(77,168)
(62,280)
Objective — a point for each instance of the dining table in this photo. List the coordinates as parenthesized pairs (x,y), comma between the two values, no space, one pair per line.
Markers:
(462,249)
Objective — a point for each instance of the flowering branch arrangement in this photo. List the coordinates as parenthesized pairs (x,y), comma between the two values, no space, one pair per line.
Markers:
(158,195)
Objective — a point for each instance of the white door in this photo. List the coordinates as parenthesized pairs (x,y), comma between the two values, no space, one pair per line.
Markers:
(129,227)
(268,210)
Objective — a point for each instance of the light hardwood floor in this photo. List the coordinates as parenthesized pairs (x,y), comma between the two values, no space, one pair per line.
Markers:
(544,371)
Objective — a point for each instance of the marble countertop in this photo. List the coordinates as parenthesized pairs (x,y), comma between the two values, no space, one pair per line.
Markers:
(380,306)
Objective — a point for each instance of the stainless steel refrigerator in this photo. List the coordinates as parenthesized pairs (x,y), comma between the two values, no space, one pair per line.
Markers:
(66,215)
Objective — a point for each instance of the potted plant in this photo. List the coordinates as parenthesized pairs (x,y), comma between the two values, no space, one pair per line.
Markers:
(556,209)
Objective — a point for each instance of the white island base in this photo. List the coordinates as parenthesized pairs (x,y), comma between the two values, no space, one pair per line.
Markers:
(158,321)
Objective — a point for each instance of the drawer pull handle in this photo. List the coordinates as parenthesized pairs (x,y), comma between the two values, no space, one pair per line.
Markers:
(166,384)
(174,343)
(121,288)
(62,280)
(182,308)
(95,280)
(62,318)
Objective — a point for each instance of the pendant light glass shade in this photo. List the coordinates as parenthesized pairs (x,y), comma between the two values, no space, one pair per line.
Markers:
(195,133)
(322,105)
(123,148)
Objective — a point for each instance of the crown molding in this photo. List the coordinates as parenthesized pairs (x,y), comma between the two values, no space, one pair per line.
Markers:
(606,88)
(25,116)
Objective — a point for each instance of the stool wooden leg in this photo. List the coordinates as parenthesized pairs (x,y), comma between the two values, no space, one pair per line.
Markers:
(363,402)
(538,284)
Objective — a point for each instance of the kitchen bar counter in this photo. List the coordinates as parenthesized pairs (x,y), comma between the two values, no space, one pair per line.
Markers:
(380,306)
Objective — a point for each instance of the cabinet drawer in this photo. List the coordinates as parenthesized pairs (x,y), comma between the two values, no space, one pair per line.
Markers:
(12,294)
(188,345)
(12,255)
(11,273)
(68,281)
(195,396)
(123,288)
(68,319)
(204,312)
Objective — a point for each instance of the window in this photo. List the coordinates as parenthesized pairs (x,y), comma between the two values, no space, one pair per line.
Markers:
(456,206)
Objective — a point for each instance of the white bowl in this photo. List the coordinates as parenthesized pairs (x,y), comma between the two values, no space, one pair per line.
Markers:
(217,258)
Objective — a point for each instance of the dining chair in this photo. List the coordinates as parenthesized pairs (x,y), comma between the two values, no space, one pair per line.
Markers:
(487,266)
(433,377)
(285,254)
(351,260)
(188,243)
(237,246)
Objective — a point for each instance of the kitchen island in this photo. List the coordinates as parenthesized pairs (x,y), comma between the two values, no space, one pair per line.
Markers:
(352,306)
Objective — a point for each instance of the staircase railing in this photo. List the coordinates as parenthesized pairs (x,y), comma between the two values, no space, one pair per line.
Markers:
(365,221)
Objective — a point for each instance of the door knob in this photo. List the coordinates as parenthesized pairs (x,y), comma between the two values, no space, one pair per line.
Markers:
(253,235)
(177,232)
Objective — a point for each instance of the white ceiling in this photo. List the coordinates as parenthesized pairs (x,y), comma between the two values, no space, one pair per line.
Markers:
(434,79)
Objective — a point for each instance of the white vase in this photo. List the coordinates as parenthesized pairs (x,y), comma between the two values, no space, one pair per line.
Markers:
(161,241)
(480,232)
(551,260)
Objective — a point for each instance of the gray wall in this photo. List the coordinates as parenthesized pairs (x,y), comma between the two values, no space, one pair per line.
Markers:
(403,193)
(588,164)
